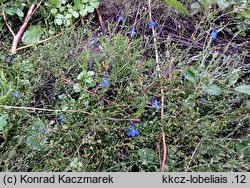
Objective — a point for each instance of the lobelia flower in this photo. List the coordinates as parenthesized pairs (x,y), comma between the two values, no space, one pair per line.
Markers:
(60,120)
(120,18)
(105,82)
(133,131)
(16,95)
(151,24)
(9,60)
(132,32)
(214,34)
(94,41)
(202,100)
(156,104)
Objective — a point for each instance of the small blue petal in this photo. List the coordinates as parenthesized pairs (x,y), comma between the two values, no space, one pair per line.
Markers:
(133,132)
(9,60)
(151,24)
(120,19)
(16,95)
(60,120)
(105,82)
(156,104)
(132,32)
(202,100)
(94,41)
(214,34)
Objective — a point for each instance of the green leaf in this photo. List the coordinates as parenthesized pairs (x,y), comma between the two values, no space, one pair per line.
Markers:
(36,137)
(53,10)
(19,13)
(83,11)
(90,73)
(3,121)
(223,4)
(94,4)
(58,21)
(32,35)
(77,4)
(176,4)
(189,75)
(75,14)
(232,79)
(243,89)
(195,5)
(212,90)
(90,9)
(77,88)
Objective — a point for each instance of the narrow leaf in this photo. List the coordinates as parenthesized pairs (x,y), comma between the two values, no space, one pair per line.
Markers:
(176,4)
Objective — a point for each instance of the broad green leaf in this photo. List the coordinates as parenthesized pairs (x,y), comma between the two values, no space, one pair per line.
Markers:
(77,88)
(36,137)
(195,5)
(223,4)
(83,11)
(212,90)
(19,13)
(189,75)
(81,75)
(176,4)
(77,4)
(53,10)
(10,11)
(32,35)
(75,14)
(94,4)
(58,21)
(3,121)
(89,9)
(232,79)
(90,73)
(243,89)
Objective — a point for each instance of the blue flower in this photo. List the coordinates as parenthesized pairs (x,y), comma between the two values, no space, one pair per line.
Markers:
(105,82)
(151,24)
(120,18)
(133,132)
(94,41)
(9,60)
(16,95)
(202,100)
(132,32)
(214,34)
(60,120)
(156,104)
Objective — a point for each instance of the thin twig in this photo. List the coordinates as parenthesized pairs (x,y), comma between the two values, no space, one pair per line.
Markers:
(193,154)
(163,162)
(85,90)
(6,22)
(98,10)
(66,111)
(39,42)
(158,69)
(163,159)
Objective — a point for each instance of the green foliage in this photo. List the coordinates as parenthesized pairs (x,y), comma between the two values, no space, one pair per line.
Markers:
(36,136)
(3,121)
(64,12)
(243,89)
(32,35)
(176,4)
